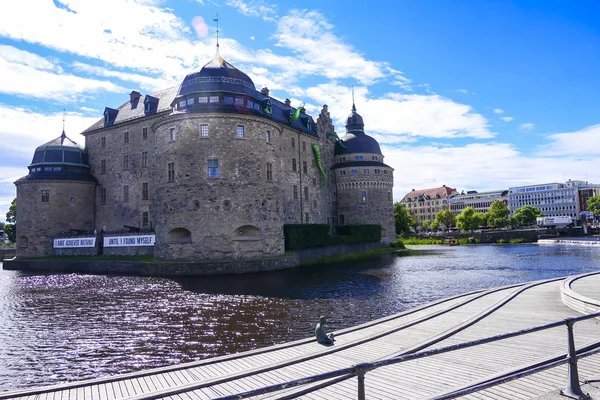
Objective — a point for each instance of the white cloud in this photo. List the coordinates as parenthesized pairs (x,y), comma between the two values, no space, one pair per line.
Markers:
(498,111)
(21,77)
(254,9)
(581,143)
(506,119)
(13,55)
(463,91)
(23,129)
(430,116)
(478,166)
(528,126)
(145,82)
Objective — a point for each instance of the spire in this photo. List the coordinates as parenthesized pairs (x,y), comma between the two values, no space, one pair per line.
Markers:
(353,106)
(63,136)
(217,21)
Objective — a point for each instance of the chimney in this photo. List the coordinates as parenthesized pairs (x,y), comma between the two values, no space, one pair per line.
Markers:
(443,185)
(265,91)
(287,102)
(134,96)
(413,190)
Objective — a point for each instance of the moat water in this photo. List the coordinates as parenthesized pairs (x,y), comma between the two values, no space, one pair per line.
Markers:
(56,328)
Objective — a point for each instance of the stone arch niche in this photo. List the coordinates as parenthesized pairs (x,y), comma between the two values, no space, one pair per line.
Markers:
(23,241)
(179,235)
(247,233)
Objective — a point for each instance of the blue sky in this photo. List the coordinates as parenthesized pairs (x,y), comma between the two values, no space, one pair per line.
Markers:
(477,95)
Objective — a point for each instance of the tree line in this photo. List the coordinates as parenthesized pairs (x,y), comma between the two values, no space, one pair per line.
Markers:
(10,226)
(470,219)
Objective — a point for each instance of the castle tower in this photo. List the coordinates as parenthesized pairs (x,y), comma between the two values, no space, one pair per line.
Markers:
(55,198)
(363,183)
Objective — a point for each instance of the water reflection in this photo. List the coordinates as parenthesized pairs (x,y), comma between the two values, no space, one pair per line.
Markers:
(60,327)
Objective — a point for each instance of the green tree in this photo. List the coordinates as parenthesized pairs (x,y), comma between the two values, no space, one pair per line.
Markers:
(435,225)
(498,214)
(11,222)
(402,219)
(485,219)
(526,215)
(426,224)
(468,219)
(593,205)
(446,218)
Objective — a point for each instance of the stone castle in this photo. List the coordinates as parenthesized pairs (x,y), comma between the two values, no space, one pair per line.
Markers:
(213,168)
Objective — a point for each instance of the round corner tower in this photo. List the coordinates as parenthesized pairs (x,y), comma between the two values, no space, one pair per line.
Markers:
(363,183)
(56,197)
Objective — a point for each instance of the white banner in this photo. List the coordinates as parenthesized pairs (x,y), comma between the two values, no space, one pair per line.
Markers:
(74,242)
(129,241)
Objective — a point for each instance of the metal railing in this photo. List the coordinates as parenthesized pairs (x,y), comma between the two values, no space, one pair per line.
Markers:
(572,390)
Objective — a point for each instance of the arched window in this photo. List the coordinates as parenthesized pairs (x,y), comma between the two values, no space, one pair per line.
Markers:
(180,235)
(23,241)
(247,232)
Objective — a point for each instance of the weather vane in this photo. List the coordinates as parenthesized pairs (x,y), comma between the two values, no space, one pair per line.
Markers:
(217,21)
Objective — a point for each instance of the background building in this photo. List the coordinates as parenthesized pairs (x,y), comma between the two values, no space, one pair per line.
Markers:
(424,204)
(480,201)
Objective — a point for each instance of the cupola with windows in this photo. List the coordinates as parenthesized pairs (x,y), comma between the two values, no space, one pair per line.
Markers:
(60,158)
(356,140)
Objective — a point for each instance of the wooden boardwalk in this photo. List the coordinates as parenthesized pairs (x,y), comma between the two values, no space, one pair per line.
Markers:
(446,322)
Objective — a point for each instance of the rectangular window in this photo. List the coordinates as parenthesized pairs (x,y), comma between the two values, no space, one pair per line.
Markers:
(103,167)
(305,193)
(374,158)
(144,218)
(303,146)
(126,137)
(144,133)
(144,158)
(293,143)
(126,193)
(342,172)
(171,171)
(240,131)
(182,104)
(214,99)
(213,168)
(190,101)
(294,164)
(103,142)
(144,190)
(250,104)
(203,99)
(354,171)
(305,167)
(365,171)
(363,195)
(377,170)
(385,171)
(204,130)
(228,99)
(45,196)
(295,192)
(268,136)
(102,195)
(239,101)
(172,134)
(269,171)
(358,158)
(126,162)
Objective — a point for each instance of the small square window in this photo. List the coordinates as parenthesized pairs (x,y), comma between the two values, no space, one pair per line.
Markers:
(228,99)
(250,104)
(182,104)
(203,99)
(366,171)
(239,101)
(190,101)
(358,158)
(342,172)
(204,130)
(72,199)
(214,99)
(354,171)
(240,131)
(144,133)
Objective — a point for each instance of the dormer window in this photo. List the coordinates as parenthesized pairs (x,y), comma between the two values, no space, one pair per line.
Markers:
(150,104)
(147,105)
(106,117)
(110,114)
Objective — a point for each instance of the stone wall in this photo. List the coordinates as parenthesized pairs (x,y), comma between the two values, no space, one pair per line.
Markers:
(70,207)
(154,268)
(81,251)
(332,251)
